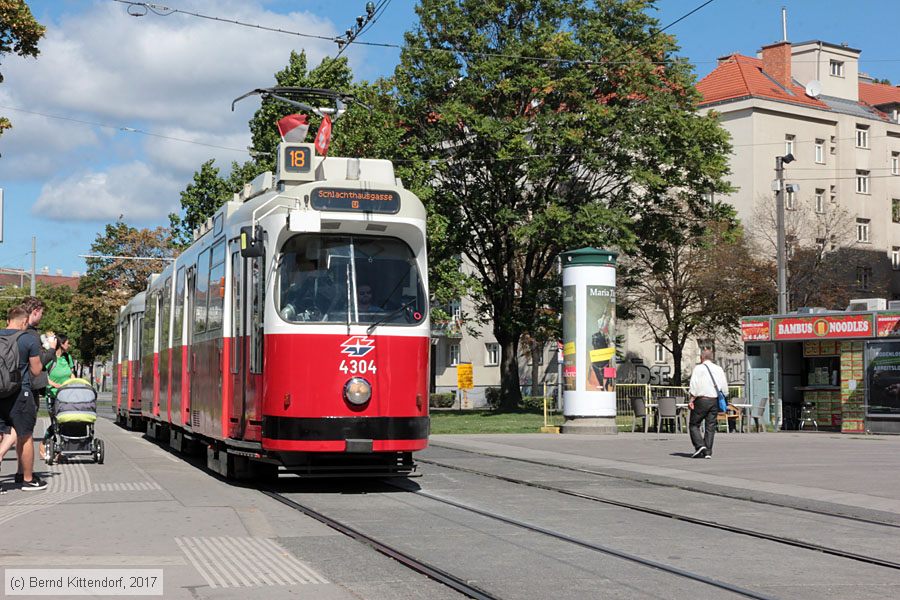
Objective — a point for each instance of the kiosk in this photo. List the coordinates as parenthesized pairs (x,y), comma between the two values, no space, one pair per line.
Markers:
(828,370)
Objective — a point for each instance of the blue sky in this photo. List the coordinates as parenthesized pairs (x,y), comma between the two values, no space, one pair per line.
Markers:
(175,76)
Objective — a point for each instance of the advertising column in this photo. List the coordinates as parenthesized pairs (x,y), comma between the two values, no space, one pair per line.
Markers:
(589,341)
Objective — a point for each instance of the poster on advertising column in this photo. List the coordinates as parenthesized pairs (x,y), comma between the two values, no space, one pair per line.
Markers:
(600,305)
(569,332)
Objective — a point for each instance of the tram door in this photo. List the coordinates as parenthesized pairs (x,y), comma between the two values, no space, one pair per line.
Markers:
(190,372)
(237,360)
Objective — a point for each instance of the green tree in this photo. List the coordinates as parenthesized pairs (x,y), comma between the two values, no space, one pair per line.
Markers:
(19,33)
(199,200)
(58,315)
(700,280)
(209,190)
(110,282)
(553,124)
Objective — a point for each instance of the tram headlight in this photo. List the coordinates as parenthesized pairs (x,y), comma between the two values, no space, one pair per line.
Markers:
(357,391)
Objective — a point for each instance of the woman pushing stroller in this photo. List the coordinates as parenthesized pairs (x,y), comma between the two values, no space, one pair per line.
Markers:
(59,369)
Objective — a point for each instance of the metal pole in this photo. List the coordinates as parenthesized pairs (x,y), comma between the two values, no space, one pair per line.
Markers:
(779,226)
(33,261)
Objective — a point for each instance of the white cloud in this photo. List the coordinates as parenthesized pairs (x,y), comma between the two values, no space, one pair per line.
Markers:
(184,159)
(134,191)
(170,75)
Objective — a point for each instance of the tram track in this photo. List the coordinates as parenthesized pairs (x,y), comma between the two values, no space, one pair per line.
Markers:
(461,585)
(432,572)
(685,488)
(679,517)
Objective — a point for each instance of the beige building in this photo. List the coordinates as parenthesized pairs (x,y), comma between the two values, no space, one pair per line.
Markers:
(452,344)
(811,101)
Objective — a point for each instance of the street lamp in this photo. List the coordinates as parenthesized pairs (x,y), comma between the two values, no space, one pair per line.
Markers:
(779,187)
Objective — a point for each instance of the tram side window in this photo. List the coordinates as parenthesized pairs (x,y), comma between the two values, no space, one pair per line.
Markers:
(179,309)
(137,322)
(256,303)
(237,316)
(201,293)
(148,324)
(165,305)
(216,306)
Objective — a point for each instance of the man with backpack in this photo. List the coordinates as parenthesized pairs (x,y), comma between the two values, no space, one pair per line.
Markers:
(20,362)
(34,306)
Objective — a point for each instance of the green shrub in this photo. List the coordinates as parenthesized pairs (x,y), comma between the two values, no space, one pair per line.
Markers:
(492,397)
(535,403)
(443,400)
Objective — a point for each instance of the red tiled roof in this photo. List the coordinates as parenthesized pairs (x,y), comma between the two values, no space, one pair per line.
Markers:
(740,76)
(12,279)
(878,93)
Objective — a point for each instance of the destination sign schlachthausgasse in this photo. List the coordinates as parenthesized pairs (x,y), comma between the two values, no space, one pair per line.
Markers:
(379,201)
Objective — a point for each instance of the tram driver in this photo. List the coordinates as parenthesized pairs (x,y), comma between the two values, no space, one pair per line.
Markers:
(306,293)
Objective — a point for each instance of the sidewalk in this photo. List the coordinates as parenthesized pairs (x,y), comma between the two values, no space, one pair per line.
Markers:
(848,471)
(148,509)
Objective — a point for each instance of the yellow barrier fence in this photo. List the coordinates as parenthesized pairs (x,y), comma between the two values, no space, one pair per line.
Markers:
(625,392)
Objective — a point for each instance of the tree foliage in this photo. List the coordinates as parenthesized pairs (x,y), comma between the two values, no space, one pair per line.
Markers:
(825,265)
(19,33)
(58,315)
(372,128)
(697,285)
(552,124)
(110,282)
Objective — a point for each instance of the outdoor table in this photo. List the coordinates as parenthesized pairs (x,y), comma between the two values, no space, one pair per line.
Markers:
(745,414)
(679,406)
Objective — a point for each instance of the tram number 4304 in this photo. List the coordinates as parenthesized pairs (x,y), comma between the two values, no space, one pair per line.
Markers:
(358,367)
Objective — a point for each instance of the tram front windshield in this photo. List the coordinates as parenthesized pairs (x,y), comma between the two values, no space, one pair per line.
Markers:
(349,279)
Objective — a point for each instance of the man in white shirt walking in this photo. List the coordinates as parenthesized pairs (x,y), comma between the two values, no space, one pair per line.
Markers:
(704,403)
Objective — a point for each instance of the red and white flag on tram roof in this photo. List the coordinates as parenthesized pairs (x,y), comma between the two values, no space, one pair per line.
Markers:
(293,128)
(323,137)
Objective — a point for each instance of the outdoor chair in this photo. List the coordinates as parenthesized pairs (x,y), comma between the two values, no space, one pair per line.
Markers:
(731,414)
(808,415)
(640,412)
(667,409)
(757,415)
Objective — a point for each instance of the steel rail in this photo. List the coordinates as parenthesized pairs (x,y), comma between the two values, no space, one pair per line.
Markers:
(430,571)
(679,517)
(588,545)
(686,488)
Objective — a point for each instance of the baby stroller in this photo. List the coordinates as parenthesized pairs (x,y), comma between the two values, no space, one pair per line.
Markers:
(72,416)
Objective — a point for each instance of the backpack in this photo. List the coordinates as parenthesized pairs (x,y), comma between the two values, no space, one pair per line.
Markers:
(10,371)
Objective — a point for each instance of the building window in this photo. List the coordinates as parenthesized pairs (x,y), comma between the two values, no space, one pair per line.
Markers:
(820,151)
(895,258)
(862,136)
(862,231)
(820,201)
(837,68)
(456,311)
(453,355)
(789,144)
(895,210)
(895,163)
(790,200)
(862,182)
(491,354)
(863,277)
(659,353)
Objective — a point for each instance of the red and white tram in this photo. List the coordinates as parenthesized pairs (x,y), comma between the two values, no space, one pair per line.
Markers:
(259,341)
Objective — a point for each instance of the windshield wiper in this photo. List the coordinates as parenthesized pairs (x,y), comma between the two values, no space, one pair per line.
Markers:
(390,315)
